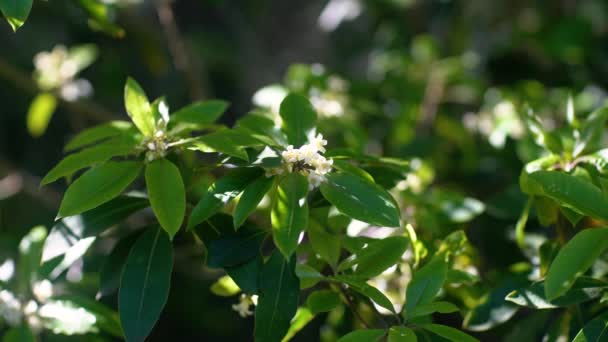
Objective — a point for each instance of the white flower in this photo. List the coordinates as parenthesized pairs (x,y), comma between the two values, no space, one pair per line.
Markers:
(290,155)
(43,290)
(243,307)
(314,180)
(307,159)
(318,143)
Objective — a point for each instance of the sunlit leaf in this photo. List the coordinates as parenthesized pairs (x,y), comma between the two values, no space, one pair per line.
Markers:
(290,213)
(167,194)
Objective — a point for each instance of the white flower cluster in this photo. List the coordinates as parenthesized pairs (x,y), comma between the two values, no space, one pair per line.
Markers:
(243,307)
(158,144)
(10,308)
(308,160)
(57,69)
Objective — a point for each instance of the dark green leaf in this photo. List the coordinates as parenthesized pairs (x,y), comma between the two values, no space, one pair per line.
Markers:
(231,142)
(363,335)
(246,275)
(251,197)
(591,132)
(361,200)
(290,212)
(323,243)
(262,128)
(574,259)
(429,308)
(425,284)
(322,301)
(595,330)
(167,194)
(278,299)
(451,334)
(234,248)
(144,287)
(221,192)
(97,186)
(22,333)
(376,255)
(308,276)
(99,133)
(114,263)
(401,334)
(138,107)
(299,119)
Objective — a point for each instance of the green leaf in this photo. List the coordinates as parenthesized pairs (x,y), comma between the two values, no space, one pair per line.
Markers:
(88,157)
(16,11)
(167,194)
(401,334)
(449,333)
(567,190)
(114,263)
(200,113)
(290,212)
(30,254)
(250,198)
(322,301)
(246,275)
(278,299)
(262,128)
(299,118)
(429,308)
(376,255)
(425,284)
(234,248)
(367,290)
(221,192)
(323,243)
(308,276)
(99,133)
(595,330)
(302,318)
(144,287)
(231,142)
(22,333)
(360,199)
(225,287)
(363,335)
(138,107)
(584,289)
(574,259)
(591,132)
(40,113)
(97,186)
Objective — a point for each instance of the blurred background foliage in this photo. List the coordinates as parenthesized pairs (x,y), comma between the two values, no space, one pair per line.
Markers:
(440,83)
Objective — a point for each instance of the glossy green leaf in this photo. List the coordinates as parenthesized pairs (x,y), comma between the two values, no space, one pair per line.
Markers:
(40,112)
(595,330)
(567,190)
(278,299)
(375,256)
(246,275)
(308,275)
(200,113)
(88,157)
(16,11)
(363,335)
(250,198)
(360,286)
(326,245)
(299,118)
(99,133)
(231,142)
(167,194)
(591,132)
(113,265)
(234,248)
(289,215)
(574,259)
(584,289)
(322,301)
(425,284)
(138,107)
(360,199)
(430,308)
(97,186)
(449,333)
(262,128)
(145,283)
(221,192)
(401,334)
